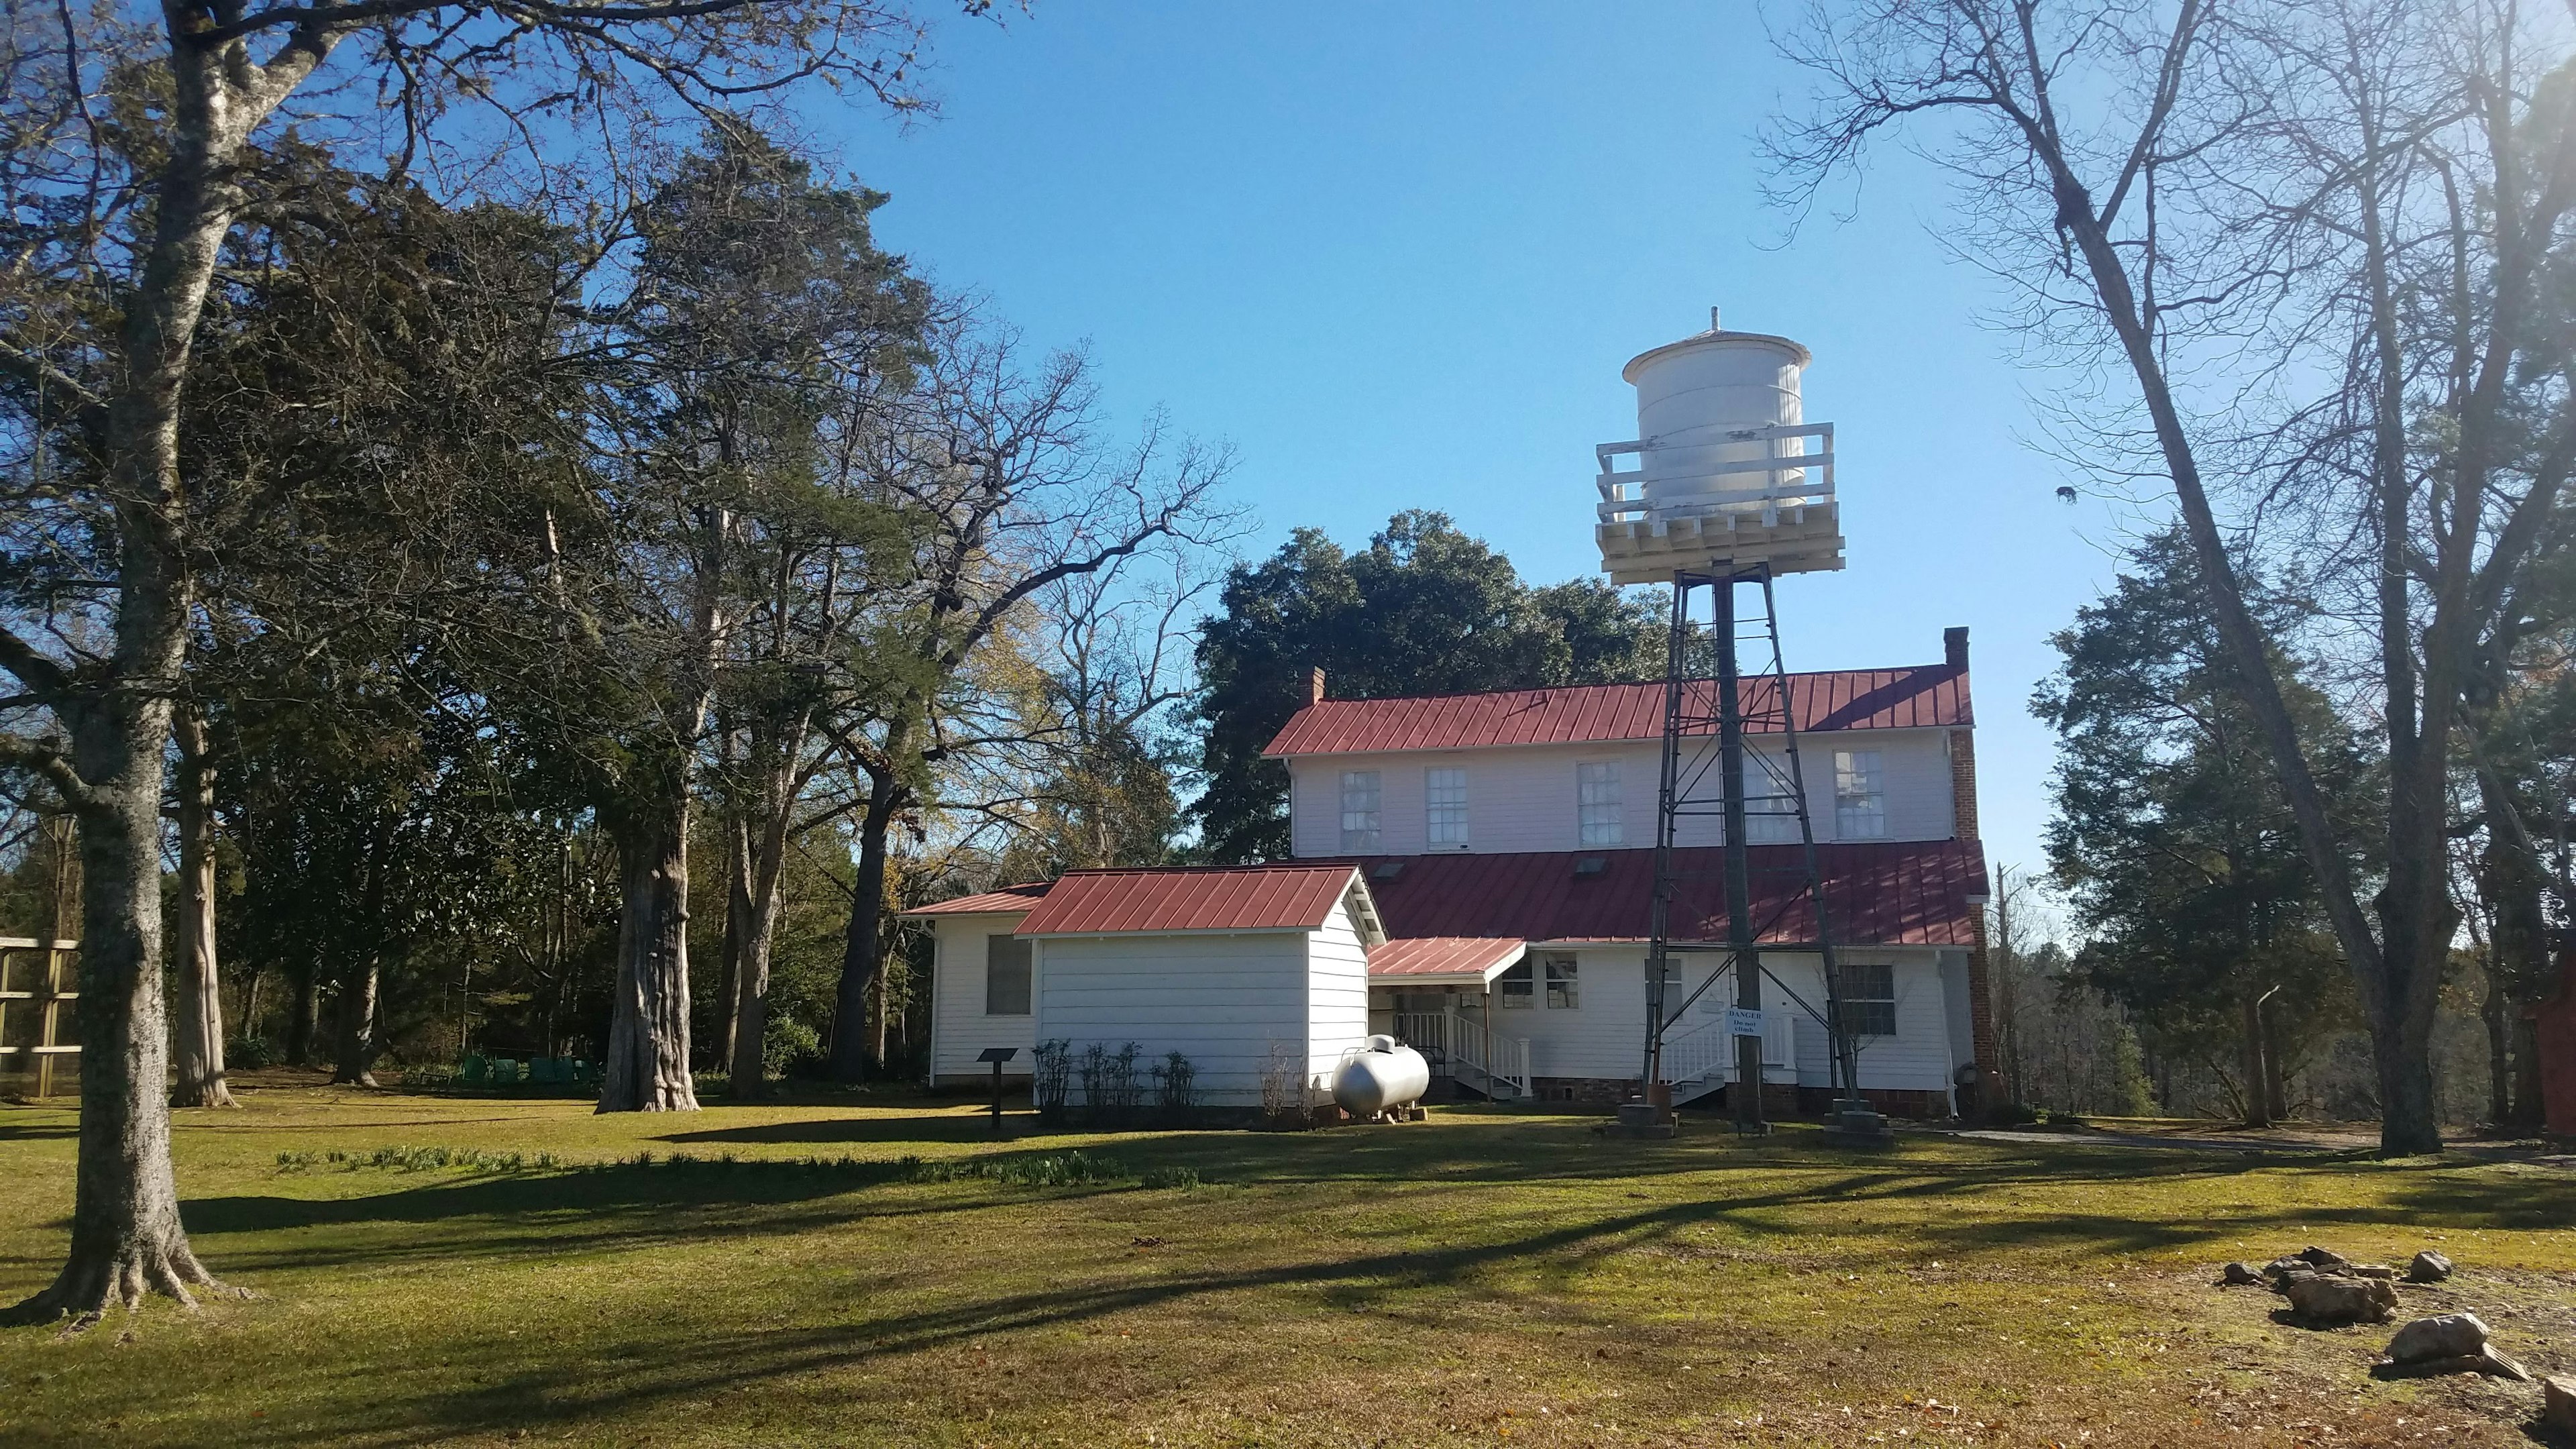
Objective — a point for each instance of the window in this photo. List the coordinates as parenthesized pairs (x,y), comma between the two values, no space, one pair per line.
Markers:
(1869,1000)
(1596,803)
(1514,986)
(1359,810)
(1444,795)
(1562,993)
(1860,795)
(1770,807)
(1006,976)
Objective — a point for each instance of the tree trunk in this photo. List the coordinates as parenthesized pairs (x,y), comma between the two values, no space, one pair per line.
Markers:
(2492,1012)
(198,1034)
(2276,1078)
(737,922)
(647,1065)
(304,1014)
(763,859)
(126,1236)
(354,1060)
(862,952)
(2258,1105)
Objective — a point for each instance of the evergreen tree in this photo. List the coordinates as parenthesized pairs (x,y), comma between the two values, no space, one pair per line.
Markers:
(1424,609)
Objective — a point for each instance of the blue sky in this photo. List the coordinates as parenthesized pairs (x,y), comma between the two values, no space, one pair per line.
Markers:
(1397,256)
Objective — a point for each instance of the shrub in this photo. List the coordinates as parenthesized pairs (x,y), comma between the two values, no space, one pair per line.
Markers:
(1175,1087)
(250,1054)
(1180,1177)
(789,1047)
(1051,1072)
(1109,1085)
(1283,1087)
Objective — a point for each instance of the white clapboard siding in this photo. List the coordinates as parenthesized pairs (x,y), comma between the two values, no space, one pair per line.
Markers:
(959,1029)
(1917,1058)
(1337,995)
(1522,798)
(1604,1037)
(1220,999)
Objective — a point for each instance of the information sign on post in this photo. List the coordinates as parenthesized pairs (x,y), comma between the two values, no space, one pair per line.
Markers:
(1743,1022)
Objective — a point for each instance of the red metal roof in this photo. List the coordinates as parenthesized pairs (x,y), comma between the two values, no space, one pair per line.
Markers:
(998,899)
(1278,897)
(1465,958)
(1879,894)
(1932,695)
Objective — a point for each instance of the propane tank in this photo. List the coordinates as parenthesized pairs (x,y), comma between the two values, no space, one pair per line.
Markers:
(1383,1075)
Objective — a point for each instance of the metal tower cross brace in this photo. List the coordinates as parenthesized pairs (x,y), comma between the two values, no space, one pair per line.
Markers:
(1705,720)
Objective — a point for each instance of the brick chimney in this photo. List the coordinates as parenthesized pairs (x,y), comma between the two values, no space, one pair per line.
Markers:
(1315,687)
(1990,1091)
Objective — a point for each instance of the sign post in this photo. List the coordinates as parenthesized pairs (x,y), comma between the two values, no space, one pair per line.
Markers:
(997,1056)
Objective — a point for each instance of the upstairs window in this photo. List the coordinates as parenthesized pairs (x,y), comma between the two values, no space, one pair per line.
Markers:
(1869,1000)
(1513,986)
(1860,795)
(1598,816)
(1360,814)
(1444,795)
(1770,806)
(1562,992)
(1006,976)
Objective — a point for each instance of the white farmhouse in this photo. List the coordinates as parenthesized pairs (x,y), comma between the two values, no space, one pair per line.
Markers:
(1491,855)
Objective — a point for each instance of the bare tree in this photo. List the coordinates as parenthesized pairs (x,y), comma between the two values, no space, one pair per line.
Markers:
(2224,203)
(1001,468)
(138,212)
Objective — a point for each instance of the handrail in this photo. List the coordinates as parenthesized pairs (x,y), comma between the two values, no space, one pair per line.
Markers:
(1466,1043)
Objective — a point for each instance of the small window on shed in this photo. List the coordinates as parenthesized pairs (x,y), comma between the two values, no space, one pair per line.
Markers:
(1869,999)
(1006,976)
(1513,986)
(1561,985)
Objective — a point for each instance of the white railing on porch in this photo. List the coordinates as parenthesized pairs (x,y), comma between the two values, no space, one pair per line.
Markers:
(1704,1057)
(1496,1065)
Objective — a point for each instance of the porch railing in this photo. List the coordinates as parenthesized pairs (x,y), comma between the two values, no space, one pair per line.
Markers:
(1705,1056)
(1498,1066)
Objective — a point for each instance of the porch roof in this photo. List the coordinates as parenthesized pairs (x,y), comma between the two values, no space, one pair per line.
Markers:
(1444,960)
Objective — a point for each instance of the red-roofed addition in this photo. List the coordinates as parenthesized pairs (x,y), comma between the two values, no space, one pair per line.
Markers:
(997,901)
(1932,696)
(1443,960)
(1282,897)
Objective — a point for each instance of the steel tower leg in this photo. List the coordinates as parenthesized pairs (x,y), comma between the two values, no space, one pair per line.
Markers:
(1747,1098)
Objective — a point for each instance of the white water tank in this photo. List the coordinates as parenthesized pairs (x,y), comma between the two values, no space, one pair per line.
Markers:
(1381,1076)
(1725,474)
(1692,394)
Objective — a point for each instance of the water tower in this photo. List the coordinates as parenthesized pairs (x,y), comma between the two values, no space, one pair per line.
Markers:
(1729,474)
(1730,486)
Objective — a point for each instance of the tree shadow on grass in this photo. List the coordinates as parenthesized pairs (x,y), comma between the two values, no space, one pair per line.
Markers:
(556,1214)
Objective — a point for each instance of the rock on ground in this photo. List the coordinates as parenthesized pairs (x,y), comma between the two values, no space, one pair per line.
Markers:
(2488,1362)
(2428,1267)
(2238,1275)
(2328,1302)
(2445,1335)
(2558,1404)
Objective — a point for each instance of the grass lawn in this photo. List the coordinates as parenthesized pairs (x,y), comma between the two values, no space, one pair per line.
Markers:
(1486,1276)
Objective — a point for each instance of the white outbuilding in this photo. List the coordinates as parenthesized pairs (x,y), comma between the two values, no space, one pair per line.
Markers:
(1245,971)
